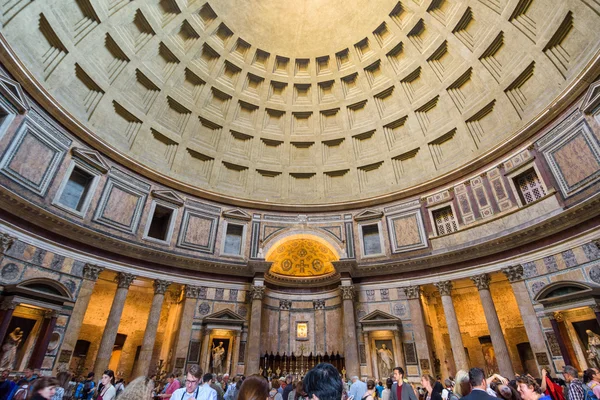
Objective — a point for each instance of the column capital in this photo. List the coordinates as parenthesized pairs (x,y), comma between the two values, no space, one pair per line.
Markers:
(191,292)
(6,242)
(482,281)
(285,304)
(595,308)
(257,292)
(514,273)
(161,286)
(319,304)
(124,280)
(444,287)
(91,272)
(347,292)
(8,304)
(412,292)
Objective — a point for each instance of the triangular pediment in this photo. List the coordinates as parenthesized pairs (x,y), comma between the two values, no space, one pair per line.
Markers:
(591,100)
(13,92)
(92,158)
(225,316)
(236,213)
(368,214)
(379,317)
(168,196)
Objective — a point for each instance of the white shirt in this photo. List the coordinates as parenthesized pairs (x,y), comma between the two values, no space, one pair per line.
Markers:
(182,394)
(205,392)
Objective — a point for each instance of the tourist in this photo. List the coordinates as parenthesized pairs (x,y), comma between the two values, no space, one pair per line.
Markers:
(192,382)
(172,385)
(433,388)
(400,389)
(277,386)
(288,387)
(107,391)
(139,389)
(379,389)
(206,391)
(371,393)
(479,386)
(323,383)
(576,390)
(462,386)
(6,385)
(213,385)
(43,388)
(63,379)
(358,388)
(529,389)
(238,386)
(255,387)
(299,393)
(85,389)
(507,392)
(385,395)
(591,377)
(551,386)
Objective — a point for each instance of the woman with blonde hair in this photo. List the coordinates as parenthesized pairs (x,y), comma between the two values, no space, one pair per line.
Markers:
(139,389)
(462,386)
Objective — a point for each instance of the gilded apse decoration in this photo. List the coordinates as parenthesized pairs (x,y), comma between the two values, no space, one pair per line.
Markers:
(302,258)
(302,330)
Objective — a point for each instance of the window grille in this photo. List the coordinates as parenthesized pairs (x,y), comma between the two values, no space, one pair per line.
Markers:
(445,221)
(530,186)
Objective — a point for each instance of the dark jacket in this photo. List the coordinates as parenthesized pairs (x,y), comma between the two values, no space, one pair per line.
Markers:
(407,392)
(478,395)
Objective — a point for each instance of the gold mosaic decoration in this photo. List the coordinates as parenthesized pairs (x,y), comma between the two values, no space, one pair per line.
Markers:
(302,258)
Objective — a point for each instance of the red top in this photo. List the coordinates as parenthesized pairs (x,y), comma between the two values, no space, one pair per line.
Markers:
(399,391)
(173,386)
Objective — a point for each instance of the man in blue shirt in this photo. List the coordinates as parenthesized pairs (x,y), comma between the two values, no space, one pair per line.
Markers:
(358,388)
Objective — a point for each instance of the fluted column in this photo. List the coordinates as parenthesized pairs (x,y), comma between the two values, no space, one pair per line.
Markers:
(417,318)
(41,345)
(482,282)
(350,339)
(555,318)
(398,351)
(7,308)
(143,363)
(458,348)
(236,352)
(111,328)
(320,339)
(90,276)
(253,345)
(185,324)
(531,323)
(284,326)
(371,363)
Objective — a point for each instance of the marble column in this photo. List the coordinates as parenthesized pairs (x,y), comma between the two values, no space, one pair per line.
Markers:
(206,349)
(184,333)
(142,365)
(124,280)
(236,352)
(284,326)
(7,308)
(253,345)
(417,319)
(41,345)
(371,364)
(596,310)
(555,318)
(458,348)
(399,354)
(350,339)
(531,322)
(320,329)
(90,276)
(482,282)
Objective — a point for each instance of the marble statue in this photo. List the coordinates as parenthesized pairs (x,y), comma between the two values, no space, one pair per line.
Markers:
(593,350)
(385,360)
(9,349)
(218,352)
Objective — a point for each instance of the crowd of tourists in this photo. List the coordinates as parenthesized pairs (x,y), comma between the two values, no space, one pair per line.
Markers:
(323,382)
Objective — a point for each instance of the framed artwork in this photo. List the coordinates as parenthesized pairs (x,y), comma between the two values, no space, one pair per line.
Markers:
(302,330)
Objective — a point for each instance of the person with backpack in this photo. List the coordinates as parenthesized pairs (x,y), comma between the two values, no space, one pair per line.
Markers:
(577,390)
(85,389)
(591,377)
(43,388)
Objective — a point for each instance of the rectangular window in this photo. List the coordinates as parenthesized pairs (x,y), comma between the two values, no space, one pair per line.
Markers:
(445,221)
(371,242)
(233,239)
(76,190)
(160,223)
(529,186)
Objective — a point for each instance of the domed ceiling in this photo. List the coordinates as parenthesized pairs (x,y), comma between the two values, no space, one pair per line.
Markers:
(310,102)
(301,257)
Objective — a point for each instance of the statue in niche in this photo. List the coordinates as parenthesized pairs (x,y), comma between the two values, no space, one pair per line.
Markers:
(385,361)
(593,349)
(218,352)
(9,349)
